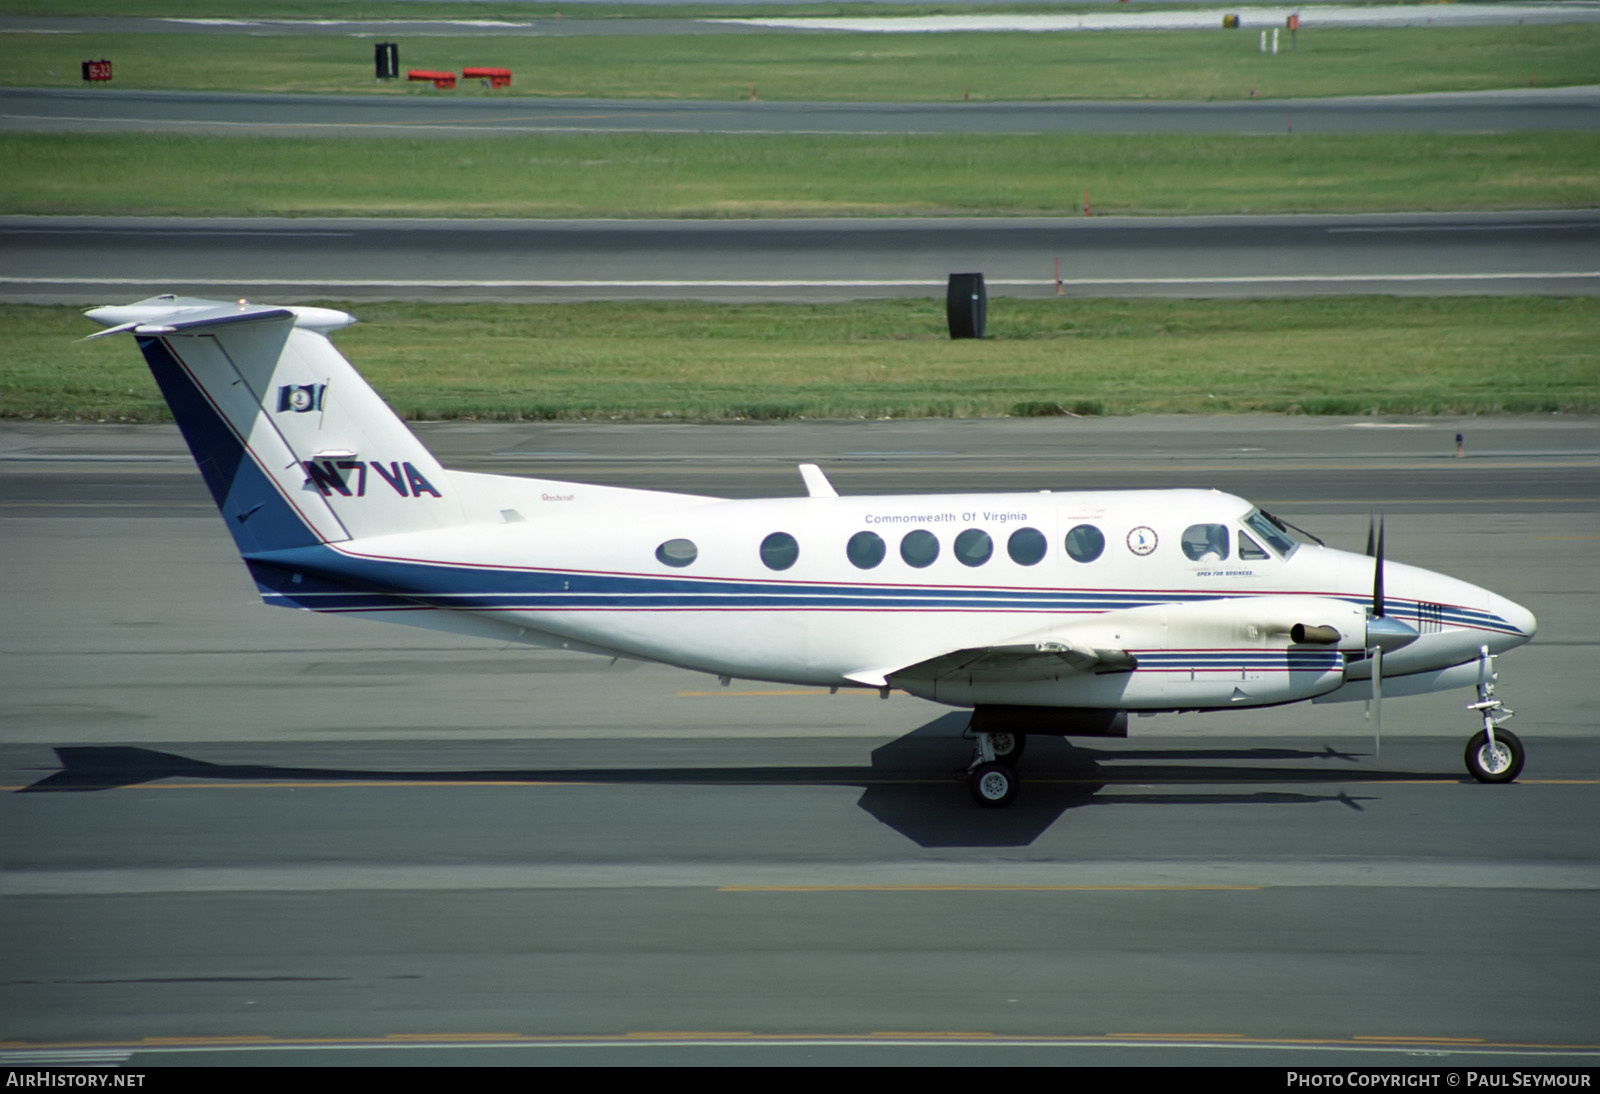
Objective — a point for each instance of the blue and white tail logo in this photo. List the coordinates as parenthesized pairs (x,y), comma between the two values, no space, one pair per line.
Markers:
(300,398)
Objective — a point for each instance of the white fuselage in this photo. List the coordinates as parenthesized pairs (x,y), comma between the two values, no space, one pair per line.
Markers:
(1200,599)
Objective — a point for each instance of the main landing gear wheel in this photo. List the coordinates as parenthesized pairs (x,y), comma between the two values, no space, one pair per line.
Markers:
(1499,762)
(1007,746)
(993,785)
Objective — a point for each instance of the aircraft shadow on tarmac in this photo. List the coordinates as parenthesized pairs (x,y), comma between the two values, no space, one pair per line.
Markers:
(914,784)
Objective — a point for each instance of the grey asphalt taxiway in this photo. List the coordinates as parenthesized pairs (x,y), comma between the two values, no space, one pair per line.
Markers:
(106,259)
(102,110)
(234,834)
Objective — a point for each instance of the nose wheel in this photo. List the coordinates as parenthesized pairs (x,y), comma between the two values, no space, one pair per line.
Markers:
(1496,760)
(1494,755)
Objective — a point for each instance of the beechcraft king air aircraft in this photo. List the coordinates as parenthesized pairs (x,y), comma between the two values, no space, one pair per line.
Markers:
(1046,613)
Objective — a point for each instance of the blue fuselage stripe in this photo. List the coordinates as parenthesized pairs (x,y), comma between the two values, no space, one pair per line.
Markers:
(323,579)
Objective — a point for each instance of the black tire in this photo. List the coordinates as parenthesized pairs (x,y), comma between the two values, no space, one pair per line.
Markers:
(1007,745)
(1499,765)
(993,785)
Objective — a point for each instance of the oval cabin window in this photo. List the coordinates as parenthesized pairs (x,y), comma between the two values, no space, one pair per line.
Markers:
(973,547)
(865,550)
(677,552)
(1085,543)
(1026,546)
(779,550)
(919,548)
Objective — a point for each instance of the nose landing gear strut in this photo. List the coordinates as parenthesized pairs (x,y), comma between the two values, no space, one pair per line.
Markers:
(1494,755)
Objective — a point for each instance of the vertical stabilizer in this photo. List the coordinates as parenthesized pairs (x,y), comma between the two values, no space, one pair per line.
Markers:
(294,445)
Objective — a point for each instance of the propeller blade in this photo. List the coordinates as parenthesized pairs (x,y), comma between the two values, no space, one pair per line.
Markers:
(1377,576)
(1372,523)
(1377,701)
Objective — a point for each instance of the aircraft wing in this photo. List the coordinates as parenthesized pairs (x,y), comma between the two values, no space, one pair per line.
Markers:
(1021,661)
(1101,643)
(1010,662)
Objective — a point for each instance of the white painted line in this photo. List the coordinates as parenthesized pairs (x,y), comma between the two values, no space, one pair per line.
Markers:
(1355,278)
(743,1043)
(1552,227)
(293,282)
(1110,876)
(66,1057)
(358,24)
(205,233)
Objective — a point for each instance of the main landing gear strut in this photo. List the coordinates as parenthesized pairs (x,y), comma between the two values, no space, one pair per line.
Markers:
(1494,755)
(992,775)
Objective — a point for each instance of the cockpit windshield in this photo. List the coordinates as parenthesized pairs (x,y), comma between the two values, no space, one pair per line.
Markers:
(1272,531)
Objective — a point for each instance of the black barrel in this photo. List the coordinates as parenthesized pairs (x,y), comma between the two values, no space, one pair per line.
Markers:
(386,60)
(966,305)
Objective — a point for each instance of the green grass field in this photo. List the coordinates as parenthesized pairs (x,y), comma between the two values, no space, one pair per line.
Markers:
(834,67)
(869,359)
(515,9)
(874,359)
(709,175)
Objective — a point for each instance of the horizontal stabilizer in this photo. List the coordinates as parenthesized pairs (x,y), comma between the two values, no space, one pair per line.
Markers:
(220,317)
(168,313)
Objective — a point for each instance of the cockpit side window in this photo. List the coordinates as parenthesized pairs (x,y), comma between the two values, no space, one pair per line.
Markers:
(1273,536)
(1206,542)
(1250,549)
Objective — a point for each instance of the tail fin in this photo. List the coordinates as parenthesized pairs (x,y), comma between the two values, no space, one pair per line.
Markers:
(295,447)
